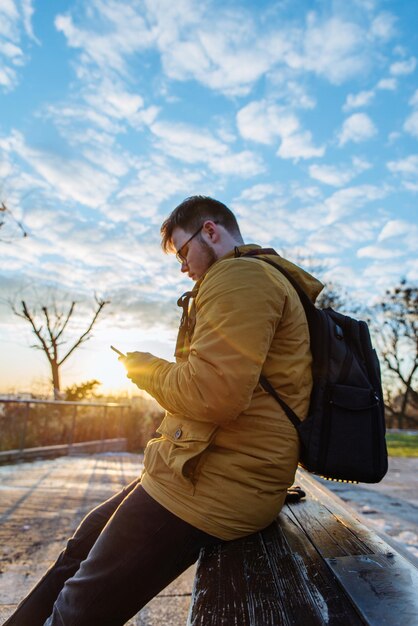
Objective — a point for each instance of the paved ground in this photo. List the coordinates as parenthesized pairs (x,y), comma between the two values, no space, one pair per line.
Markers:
(41,503)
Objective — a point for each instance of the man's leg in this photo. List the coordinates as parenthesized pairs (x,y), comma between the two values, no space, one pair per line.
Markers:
(38,604)
(140,551)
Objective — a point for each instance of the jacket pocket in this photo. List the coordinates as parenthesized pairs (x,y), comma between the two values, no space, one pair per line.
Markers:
(182,445)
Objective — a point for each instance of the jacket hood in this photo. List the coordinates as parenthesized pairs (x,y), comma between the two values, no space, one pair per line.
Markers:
(311,285)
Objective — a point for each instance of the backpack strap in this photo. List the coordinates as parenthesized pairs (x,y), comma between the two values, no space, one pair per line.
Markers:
(307,305)
(267,386)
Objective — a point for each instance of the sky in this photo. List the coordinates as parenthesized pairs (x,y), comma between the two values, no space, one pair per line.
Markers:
(301,116)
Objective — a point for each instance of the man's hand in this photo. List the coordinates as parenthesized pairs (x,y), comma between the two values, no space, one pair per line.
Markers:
(137,365)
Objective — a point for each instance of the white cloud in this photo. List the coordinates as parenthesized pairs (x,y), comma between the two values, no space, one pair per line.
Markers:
(407,168)
(230,53)
(227,57)
(414,99)
(332,238)
(70,179)
(345,201)
(115,162)
(116,103)
(383,26)
(410,186)
(355,101)
(266,220)
(226,48)
(338,176)
(187,143)
(15,22)
(27,13)
(111,99)
(394,136)
(395,228)
(381,273)
(108,38)
(155,182)
(379,252)
(305,193)
(194,145)
(299,146)
(403,68)
(8,78)
(334,48)
(68,117)
(222,51)
(125,33)
(10,20)
(11,51)
(388,84)
(409,165)
(244,164)
(259,192)
(400,50)
(354,231)
(411,124)
(264,122)
(292,94)
(357,128)
(18,187)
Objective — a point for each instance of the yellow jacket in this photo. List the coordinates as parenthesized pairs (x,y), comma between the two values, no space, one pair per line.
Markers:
(227,452)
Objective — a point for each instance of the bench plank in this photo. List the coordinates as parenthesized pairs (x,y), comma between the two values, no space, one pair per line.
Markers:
(384,588)
(315,565)
(267,579)
(312,591)
(320,589)
(352,535)
(223,593)
(327,531)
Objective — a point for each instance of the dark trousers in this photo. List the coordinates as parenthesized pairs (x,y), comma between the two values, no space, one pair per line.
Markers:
(123,553)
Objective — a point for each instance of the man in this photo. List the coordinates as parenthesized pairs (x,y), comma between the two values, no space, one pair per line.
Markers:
(226,453)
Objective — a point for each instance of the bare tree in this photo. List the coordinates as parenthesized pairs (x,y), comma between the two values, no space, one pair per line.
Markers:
(396,332)
(6,216)
(49,326)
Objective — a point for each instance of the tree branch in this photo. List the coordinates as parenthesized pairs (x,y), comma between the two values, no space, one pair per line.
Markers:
(67,319)
(26,315)
(49,333)
(85,335)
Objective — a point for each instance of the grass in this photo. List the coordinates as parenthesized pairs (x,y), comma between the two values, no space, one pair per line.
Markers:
(402,445)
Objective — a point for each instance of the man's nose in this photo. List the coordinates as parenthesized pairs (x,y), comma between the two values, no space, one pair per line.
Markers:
(184,267)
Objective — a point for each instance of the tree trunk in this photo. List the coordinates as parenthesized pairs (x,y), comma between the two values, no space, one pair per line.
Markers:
(55,379)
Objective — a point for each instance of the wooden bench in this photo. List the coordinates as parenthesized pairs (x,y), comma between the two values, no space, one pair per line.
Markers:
(315,565)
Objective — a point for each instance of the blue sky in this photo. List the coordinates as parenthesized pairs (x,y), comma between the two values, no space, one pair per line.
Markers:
(300,116)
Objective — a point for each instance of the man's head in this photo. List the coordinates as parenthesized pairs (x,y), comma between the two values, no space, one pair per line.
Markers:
(200,230)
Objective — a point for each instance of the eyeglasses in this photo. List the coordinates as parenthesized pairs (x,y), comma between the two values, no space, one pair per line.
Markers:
(181,256)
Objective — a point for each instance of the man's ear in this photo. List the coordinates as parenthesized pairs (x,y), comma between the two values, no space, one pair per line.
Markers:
(211,230)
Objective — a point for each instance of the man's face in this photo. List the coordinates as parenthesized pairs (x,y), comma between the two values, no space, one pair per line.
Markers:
(197,254)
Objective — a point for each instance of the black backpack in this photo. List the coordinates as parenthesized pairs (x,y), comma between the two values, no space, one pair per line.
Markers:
(343,435)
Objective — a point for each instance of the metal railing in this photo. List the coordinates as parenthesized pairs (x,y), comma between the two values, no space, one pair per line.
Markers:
(63,423)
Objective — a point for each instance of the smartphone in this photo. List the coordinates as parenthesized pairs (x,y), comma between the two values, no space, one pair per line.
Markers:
(118,351)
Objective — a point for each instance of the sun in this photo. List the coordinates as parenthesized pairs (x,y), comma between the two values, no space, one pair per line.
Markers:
(99,363)
(111,373)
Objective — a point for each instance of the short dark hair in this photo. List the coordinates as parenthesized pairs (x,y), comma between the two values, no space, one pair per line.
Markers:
(191,213)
